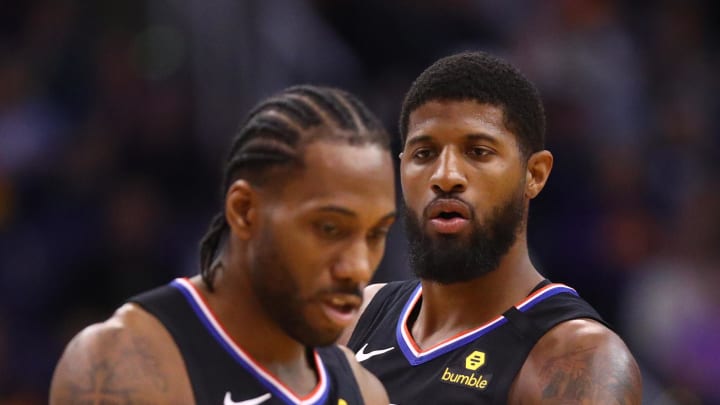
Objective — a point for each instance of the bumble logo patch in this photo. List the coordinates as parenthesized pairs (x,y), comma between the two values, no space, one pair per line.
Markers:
(342,402)
(475,360)
(459,376)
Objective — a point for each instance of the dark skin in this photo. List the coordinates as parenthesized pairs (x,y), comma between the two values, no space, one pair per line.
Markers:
(129,359)
(465,148)
(132,359)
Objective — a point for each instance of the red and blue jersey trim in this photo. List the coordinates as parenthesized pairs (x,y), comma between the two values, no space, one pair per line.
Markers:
(318,395)
(416,356)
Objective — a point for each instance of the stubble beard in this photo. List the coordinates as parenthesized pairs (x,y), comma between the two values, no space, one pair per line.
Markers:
(279,294)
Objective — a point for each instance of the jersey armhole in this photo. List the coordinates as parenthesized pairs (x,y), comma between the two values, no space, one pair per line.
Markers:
(374,312)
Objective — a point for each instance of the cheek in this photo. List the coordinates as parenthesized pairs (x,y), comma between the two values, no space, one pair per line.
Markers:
(299,250)
(501,180)
(307,257)
(375,255)
(499,193)
(411,184)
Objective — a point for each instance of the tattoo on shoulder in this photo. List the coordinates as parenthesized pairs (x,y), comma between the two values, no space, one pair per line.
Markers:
(101,387)
(149,364)
(581,376)
(127,376)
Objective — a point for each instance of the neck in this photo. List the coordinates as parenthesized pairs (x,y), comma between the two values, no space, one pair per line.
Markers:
(449,309)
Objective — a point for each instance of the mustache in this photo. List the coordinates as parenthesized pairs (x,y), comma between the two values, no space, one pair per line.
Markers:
(444,198)
(344,288)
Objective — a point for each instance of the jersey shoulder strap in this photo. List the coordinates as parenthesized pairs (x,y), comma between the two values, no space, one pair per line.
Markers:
(387,302)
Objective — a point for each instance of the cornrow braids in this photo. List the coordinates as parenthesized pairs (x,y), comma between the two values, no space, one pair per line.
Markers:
(486,79)
(296,108)
(330,104)
(275,133)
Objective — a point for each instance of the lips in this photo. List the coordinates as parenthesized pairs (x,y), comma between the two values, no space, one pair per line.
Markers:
(341,309)
(448,215)
(444,207)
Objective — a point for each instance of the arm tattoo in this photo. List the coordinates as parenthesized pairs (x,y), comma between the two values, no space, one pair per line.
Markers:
(583,377)
(567,377)
(124,378)
(150,369)
(101,388)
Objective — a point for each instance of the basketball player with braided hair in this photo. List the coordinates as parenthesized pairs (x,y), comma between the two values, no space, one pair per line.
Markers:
(308,199)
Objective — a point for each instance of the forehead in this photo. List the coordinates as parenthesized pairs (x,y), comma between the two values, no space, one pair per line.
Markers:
(358,177)
(458,119)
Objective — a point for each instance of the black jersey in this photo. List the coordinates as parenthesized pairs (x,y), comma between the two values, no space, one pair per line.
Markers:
(221,373)
(477,366)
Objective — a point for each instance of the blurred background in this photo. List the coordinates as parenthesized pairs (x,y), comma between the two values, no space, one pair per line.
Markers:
(115,118)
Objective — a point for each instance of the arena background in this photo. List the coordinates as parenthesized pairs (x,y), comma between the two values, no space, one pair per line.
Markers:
(114,119)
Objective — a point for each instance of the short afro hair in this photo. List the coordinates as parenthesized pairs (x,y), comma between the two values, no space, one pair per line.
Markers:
(486,79)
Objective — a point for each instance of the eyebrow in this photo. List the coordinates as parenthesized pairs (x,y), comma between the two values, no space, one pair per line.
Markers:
(344,211)
(468,137)
(389,215)
(482,137)
(418,139)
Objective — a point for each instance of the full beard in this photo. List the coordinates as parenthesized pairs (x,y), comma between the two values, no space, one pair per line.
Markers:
(449,259)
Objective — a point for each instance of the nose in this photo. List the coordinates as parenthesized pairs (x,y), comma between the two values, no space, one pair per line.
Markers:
(448,176)
(354,264)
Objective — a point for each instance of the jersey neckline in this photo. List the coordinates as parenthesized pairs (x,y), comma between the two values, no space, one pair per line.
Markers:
(415,355)
(277,388)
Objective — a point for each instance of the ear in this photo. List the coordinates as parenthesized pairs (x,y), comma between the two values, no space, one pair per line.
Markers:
(538,170)
(241,208)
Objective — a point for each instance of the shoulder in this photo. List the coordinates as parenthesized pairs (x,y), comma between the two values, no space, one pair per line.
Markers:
(372,390)
(368,294)
(389,292)
(378,301)
(130,358)
(581,361)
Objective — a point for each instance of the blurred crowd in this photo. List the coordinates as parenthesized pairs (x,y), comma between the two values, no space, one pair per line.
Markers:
(115,116)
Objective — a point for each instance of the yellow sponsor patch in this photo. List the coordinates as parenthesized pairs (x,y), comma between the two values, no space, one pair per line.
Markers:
(475,360)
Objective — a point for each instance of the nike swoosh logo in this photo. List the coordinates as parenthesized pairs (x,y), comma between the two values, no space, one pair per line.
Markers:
(252,401)
(361,356)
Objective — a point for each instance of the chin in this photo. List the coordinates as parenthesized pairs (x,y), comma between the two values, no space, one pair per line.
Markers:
(325,339)
(316,336)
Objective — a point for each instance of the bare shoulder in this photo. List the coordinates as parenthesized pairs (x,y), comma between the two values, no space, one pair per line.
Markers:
(581,362)
(370,291)
(368,294)
(130,358)
(373,391)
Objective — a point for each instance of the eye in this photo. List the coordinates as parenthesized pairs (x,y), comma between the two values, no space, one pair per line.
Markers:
(479,152)
(328,229)
(422,154)
(378,234)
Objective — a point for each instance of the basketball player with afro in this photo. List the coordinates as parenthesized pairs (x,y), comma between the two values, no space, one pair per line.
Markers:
(482,325)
